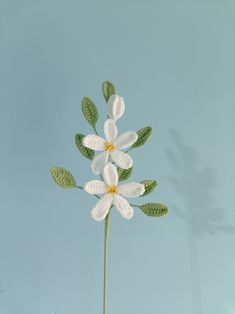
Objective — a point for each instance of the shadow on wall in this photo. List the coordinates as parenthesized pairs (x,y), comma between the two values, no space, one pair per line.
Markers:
(197,189)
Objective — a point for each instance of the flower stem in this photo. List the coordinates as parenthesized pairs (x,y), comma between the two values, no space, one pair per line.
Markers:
(82,188)
(96,132)
(79,187)
(106,236)
(134,205)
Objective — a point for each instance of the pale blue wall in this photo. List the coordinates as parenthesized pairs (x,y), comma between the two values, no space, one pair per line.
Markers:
(173,61)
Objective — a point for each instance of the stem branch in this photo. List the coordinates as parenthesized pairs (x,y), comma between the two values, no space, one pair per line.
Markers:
(82,188)
(79,187)
(94,128)
(128,150)
(134,205)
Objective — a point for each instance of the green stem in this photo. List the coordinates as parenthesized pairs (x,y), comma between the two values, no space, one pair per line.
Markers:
(128,150)
(134,205)
(79,187)
(106,236)
(94,128)
(82,188)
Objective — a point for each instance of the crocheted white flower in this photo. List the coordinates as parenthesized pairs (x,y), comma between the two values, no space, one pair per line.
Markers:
(116,107)
(111,146)
(112,194)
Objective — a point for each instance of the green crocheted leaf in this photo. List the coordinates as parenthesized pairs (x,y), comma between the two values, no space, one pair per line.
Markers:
(149,186)
(86,152)
(143,136)
(154,209)
(108,89)
(63,177)
(90,111)
(124,174)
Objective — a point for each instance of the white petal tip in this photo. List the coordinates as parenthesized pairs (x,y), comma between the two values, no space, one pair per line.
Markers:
(96,172)
(99,162)
(112,98)
(85,188)
(135,136)
(84,141)
(142,190)
(129,165)
(129,217)
(97,219)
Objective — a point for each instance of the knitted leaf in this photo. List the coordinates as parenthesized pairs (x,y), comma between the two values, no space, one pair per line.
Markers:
(108,89)
(63,177)
(154,209)
(90,111)
(143,136)
(124,174)
(149,186)
(86,152)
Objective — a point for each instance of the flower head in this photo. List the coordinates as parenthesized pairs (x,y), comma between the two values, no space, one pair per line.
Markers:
(113,194)
(116,107)
(111,147)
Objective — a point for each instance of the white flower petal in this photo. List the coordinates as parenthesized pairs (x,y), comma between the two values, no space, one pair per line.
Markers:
(101,209)
(110,130)
(131,189)
(126,139)
(110,174)
(98,163)
(123,207)
(93,141)
(116,107)
(95,187)
(121,159)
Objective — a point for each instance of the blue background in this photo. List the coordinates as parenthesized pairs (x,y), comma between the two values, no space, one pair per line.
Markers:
(173,62)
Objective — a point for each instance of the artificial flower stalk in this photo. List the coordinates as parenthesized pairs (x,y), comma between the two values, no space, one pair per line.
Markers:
(113,166)
(106,238)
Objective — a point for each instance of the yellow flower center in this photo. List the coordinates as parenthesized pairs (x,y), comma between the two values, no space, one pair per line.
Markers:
(112,189)
(109,147)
